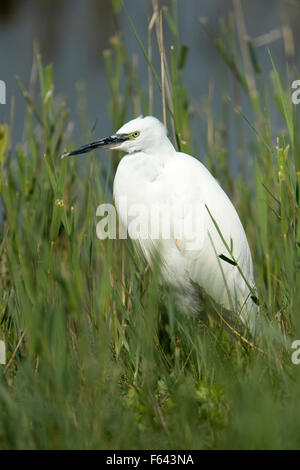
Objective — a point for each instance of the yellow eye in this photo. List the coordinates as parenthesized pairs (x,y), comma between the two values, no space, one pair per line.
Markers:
(135,134)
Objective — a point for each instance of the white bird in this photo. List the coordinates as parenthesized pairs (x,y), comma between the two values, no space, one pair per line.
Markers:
(190,219)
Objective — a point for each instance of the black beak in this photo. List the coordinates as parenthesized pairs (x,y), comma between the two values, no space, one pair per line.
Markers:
(106,143)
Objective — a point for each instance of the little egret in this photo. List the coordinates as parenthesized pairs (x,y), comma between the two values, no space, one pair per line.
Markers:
(206,248)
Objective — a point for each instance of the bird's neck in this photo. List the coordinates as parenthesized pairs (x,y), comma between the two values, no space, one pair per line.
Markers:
(164,150)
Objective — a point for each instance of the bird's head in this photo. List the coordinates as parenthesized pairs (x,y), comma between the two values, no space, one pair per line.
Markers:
(143,134)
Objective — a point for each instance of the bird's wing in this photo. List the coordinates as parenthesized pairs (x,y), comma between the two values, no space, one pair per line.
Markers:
(202,244)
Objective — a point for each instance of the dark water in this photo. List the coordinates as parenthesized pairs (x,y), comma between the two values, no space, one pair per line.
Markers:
(73,33)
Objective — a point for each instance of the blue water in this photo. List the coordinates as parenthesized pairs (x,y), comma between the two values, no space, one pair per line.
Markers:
(73,33)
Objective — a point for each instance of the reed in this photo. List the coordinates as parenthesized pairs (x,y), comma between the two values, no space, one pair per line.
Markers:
(98,355)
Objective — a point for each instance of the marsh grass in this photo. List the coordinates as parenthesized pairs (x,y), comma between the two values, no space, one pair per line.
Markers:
(98,355)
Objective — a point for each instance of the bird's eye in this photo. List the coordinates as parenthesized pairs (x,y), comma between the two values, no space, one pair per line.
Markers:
(135,134)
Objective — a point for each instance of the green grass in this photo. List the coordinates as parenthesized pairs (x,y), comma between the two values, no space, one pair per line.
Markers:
(98,356)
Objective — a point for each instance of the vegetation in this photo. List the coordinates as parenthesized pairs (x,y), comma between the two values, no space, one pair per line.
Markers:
(98,356)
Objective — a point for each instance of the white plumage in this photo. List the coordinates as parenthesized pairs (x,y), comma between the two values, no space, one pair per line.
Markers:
(182,190)
(153,173)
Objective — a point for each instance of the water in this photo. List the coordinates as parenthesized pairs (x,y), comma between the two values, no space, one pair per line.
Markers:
(73,33)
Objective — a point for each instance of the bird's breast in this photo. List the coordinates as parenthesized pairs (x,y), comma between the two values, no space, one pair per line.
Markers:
(138,179)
